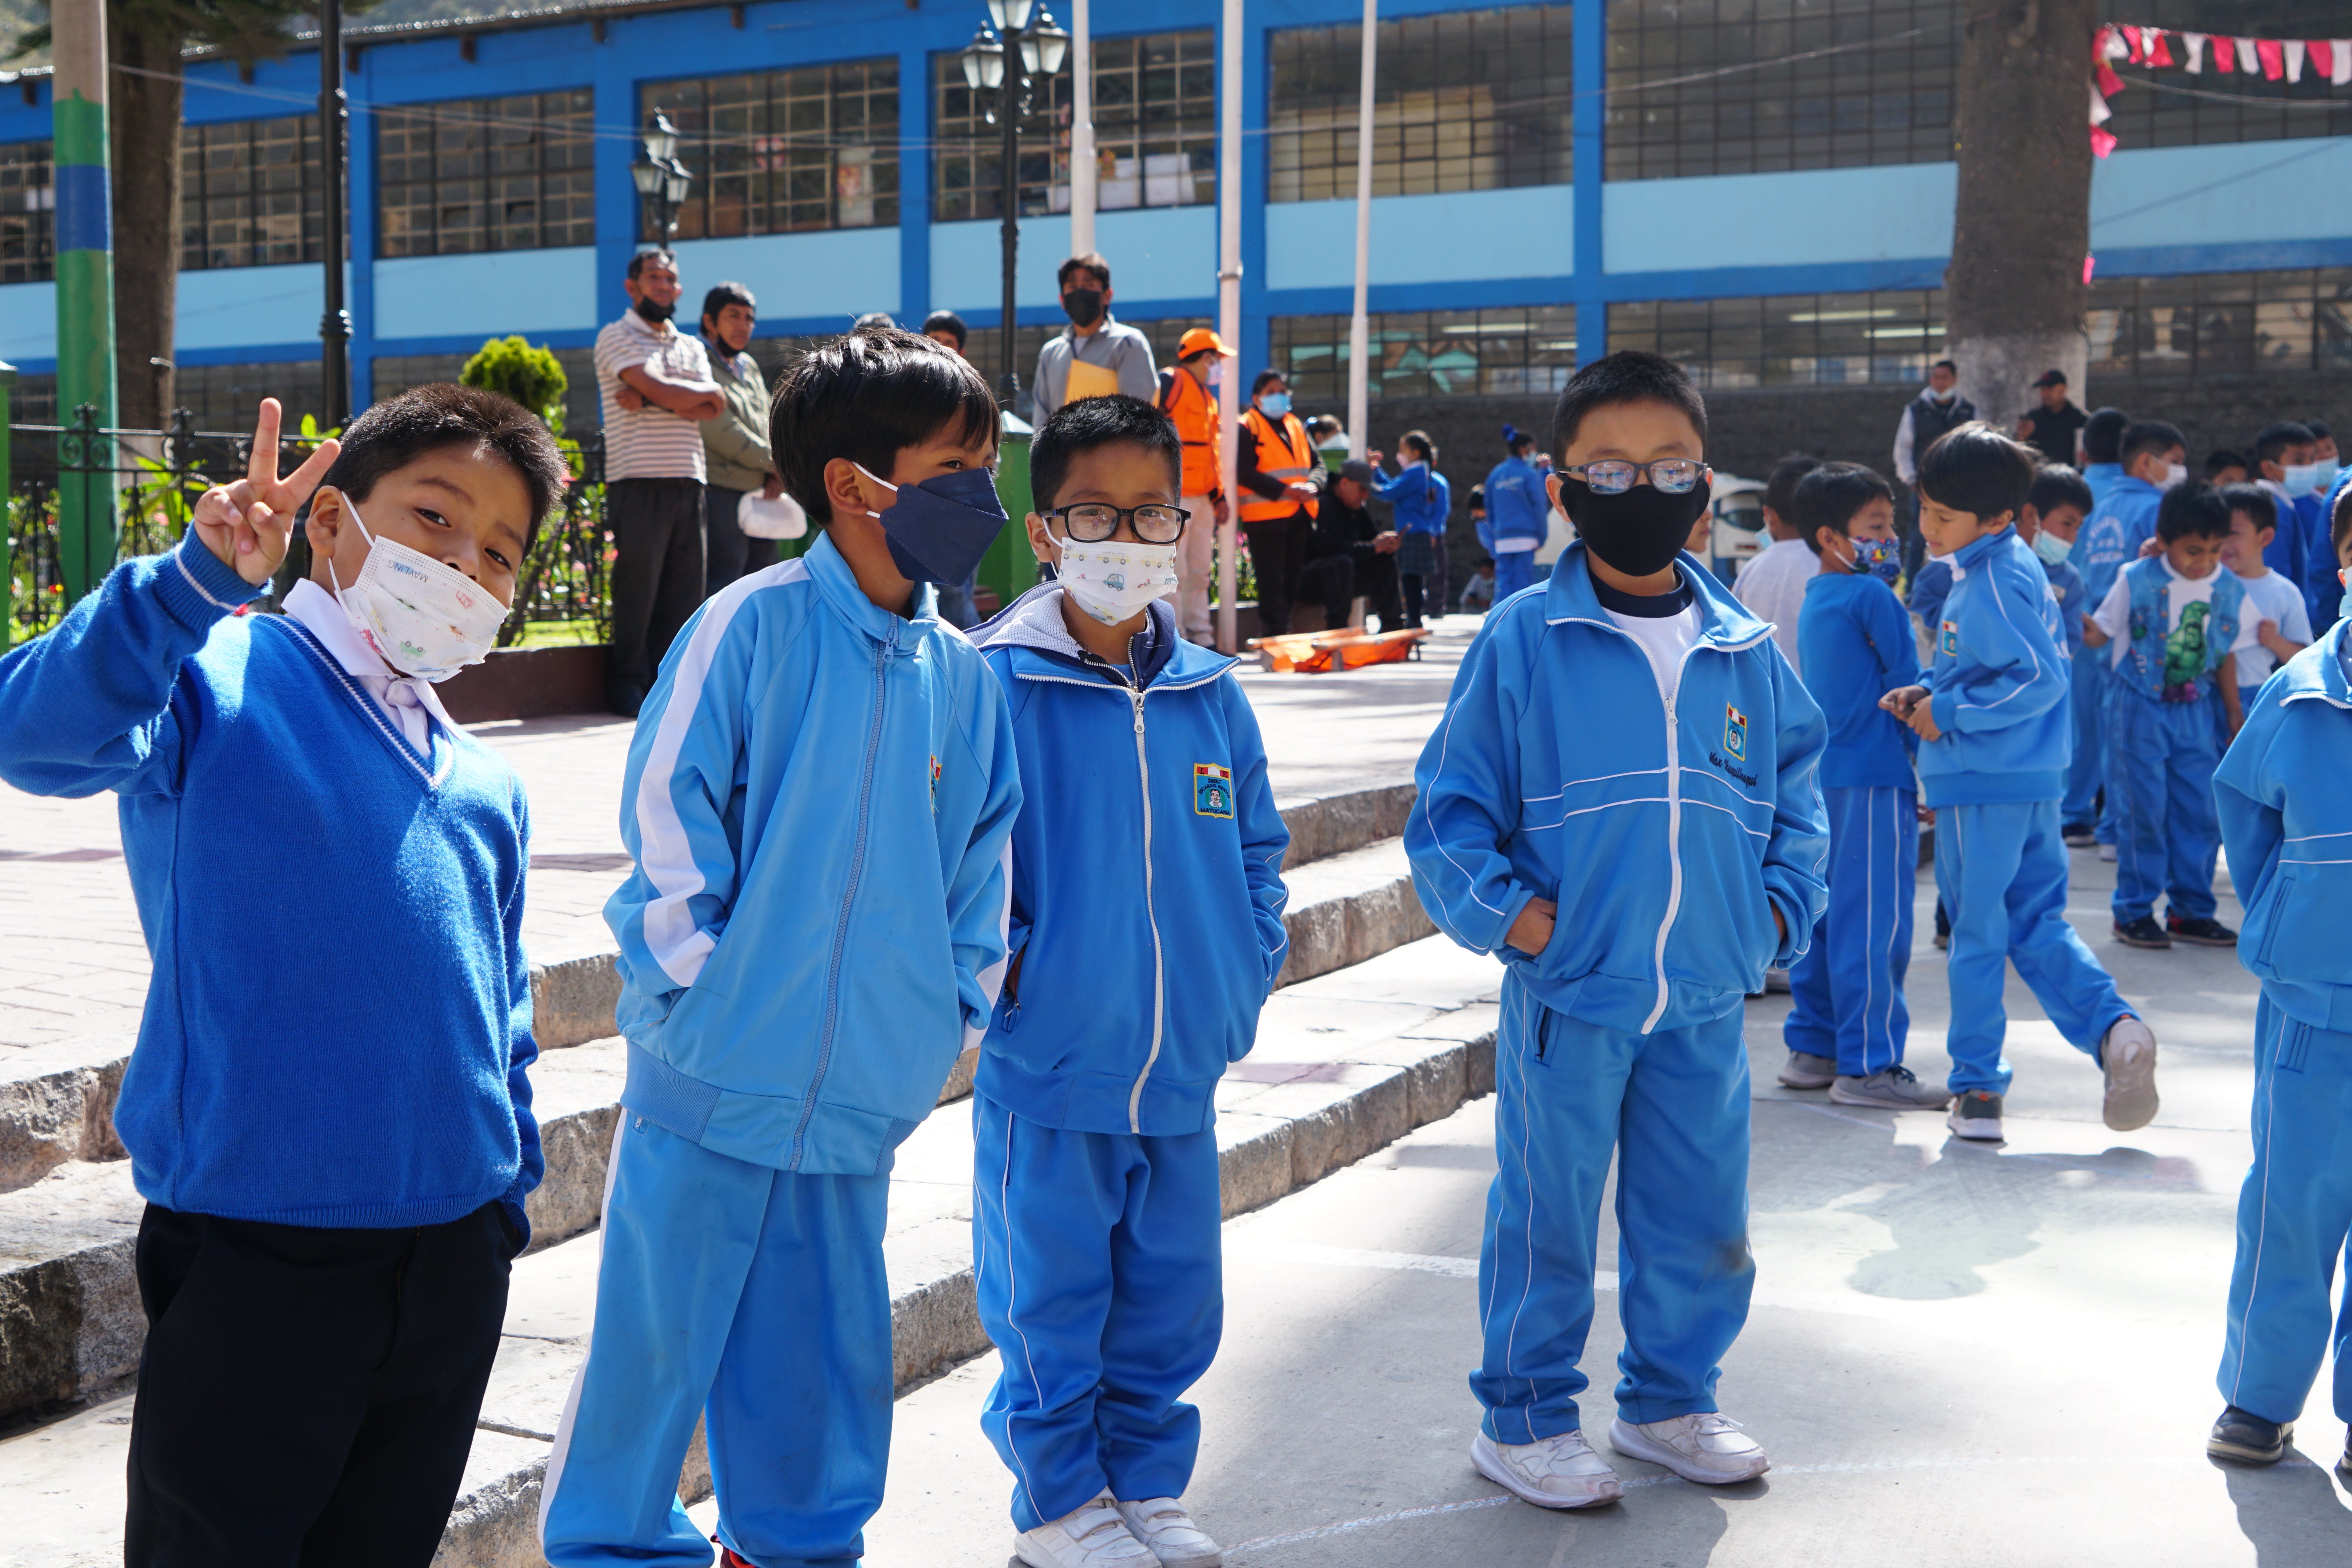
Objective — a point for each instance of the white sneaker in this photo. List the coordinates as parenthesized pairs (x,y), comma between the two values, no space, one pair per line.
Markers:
(1163,1526)
(2107,853)
(1094,1536)
(1558,1472)
(1710,1448)
(2128,1056)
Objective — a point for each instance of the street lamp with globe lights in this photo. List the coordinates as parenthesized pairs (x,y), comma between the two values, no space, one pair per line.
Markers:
(658,176)
(1008,53)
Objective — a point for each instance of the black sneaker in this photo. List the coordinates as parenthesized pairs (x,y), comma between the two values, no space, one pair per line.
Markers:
(2079,836)
(2204,931)
(1977,1115)
(2142,932)
(2344,1465)
(2244,1435)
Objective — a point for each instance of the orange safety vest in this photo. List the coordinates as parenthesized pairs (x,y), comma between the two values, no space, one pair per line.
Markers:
(1286,441)
(1188,403)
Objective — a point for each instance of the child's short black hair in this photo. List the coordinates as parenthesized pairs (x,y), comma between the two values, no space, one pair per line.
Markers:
(2058,485)
(2195,509)
(2278,435)
(2339,521)
(2222,459)
(868,395)
(2151,435)
(1975,468)
(1265,379)
(722,295)
(2102,435)
(1628,376)
(1093,422)
(430,419)
(1831,495)
(2319,431)
(1780,489)
(2254,501)
(946,322)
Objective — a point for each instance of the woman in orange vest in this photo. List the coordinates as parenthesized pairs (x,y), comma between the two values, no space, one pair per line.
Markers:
(1185,397)
(1278,466)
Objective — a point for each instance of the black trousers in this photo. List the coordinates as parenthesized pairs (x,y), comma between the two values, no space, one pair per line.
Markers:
(657,578)
(1338,580)
(1278,554)
(307,1398)
(729,551)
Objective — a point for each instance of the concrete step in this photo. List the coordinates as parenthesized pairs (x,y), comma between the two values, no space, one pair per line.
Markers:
(57,1101)
(1345,1064)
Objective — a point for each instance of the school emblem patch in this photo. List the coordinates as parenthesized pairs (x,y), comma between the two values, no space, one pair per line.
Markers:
(1948,639)
(1735,733)
(935,786)
(1213,790)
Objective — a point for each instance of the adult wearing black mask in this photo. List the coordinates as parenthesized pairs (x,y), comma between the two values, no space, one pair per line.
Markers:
(1094,356)
(1349,555)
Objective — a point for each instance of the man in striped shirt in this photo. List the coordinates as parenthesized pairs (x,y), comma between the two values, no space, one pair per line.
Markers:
(655,387)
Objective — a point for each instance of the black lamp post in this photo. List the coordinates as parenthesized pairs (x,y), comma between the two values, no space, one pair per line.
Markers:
(335,323)
(1000,66)
(659,177)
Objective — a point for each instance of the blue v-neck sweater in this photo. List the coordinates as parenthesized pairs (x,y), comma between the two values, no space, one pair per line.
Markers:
(339,1018)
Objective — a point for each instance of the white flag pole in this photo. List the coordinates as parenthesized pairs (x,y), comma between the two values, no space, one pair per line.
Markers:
(1359,324)
(1082,131)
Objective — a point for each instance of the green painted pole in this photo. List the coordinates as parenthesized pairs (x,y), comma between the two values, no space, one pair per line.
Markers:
(87,530)
(7,562)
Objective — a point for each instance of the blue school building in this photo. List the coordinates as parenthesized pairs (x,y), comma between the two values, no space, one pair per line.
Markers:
(1762,189)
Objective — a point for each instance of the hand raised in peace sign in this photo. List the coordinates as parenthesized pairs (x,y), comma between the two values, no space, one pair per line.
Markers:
(247,525)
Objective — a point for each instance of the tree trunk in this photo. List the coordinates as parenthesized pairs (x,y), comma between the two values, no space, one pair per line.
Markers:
(2014,295)
(145,143)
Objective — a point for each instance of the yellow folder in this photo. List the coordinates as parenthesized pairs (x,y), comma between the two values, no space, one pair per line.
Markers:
(1090,381)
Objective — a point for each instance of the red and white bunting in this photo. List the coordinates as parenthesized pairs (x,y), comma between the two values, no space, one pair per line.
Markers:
(2273,60)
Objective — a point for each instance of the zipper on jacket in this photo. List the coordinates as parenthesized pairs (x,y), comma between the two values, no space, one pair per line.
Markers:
(1674,837)
(1151,916)
(849,899)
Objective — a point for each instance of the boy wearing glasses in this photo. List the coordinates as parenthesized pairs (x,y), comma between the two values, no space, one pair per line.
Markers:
(1621,803)
(1146,929)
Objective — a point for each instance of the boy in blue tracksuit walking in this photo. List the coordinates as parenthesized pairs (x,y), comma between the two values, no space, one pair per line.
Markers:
(1519,514)
(2153,455)
(1993,717)
(818,799)
(1145,930)
(1423,500)
(2285,819)
(1622,801)
(1848,1020)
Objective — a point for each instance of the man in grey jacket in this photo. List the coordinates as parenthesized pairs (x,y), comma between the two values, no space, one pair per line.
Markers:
(1093,356)
(735,445)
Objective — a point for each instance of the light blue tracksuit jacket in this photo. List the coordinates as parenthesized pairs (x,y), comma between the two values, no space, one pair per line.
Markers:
(1147,853)
(2123,516)
(2286,825)
(1671,830)
(818,799)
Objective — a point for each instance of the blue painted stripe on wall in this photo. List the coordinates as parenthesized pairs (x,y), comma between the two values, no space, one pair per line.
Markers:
(2250,192)
(85,214)
(834,277)
(230,307)
(1807,217)
(493,294)
(1456,237)
(28,323)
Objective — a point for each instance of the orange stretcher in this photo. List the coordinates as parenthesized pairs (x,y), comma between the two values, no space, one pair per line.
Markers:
(1318,653)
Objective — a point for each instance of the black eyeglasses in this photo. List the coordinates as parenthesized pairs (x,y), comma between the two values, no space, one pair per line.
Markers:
(1609,476)
(1091,522)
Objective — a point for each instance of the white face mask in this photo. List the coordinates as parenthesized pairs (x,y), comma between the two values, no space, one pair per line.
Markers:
(2174,474)
(422,618)
(1115,578)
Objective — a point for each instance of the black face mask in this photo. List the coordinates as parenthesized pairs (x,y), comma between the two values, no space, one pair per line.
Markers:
(1083,306)
(655,313)
(1639,533)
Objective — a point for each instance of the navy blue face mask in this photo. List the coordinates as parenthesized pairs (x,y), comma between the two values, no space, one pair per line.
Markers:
(939,530)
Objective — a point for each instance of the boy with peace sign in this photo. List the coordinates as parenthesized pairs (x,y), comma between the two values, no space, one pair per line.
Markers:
(326,1112)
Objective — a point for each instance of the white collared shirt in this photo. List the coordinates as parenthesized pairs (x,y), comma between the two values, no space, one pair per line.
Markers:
(409,702)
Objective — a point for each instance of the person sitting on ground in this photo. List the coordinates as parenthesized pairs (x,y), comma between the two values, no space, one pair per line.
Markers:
(1773,584)
(2282,623)
(328,1112)
(1349,555)
(1097,1228)
(1478,593)
(1633,927)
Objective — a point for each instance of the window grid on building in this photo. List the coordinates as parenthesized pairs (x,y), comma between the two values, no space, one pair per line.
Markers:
(2169,108)
(2222,323)
(493,174)
(783,152)
(1471,100)
(1423,353)
(1878,87)
(250,193)
(1155,114)
(1789,339)
(28,214)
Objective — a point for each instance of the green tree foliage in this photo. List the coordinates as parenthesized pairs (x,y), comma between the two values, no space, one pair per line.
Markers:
(531,376)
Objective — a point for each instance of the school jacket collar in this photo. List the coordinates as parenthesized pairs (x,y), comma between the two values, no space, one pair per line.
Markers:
(2319,671)
(1160,659)
(838,585)
(1723,622)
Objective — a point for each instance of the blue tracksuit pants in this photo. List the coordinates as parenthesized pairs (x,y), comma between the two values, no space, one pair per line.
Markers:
(2294,1213)
(2001,870)
(1673,1106)
(1514,570)
(2080,807)
(1848,988)
(756,1298)
(1098,1263)
(2161,757)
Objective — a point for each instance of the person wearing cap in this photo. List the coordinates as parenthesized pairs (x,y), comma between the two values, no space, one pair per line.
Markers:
(1349,555)
(2054,426)
(1185,397)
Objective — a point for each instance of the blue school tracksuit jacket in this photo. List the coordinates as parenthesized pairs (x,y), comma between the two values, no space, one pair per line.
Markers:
(1671,831)
(2121,519)
(1847,991)
(1999,688)
(2323,591)
(339,1018)
(1148,854)
(818,800)
(1519,508)
(2286,822)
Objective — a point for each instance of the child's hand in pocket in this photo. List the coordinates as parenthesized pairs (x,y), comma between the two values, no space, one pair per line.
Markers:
(1531,932)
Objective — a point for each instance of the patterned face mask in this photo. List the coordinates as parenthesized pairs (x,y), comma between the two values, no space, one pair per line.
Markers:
(422,618)
(1115,578)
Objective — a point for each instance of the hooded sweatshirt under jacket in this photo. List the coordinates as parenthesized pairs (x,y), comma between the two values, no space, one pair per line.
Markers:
(1999,682)
(2286,824)
(1669,834)
(1147,847)
(818,800)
